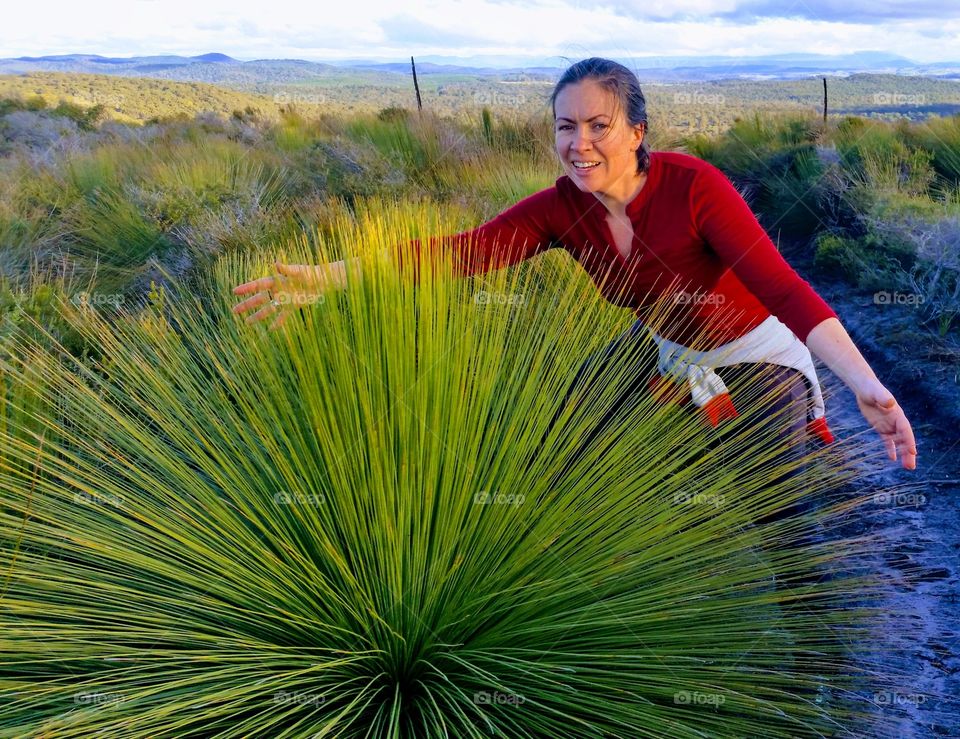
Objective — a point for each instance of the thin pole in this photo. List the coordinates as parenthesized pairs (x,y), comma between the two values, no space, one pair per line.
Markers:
(416,86)
(824,99)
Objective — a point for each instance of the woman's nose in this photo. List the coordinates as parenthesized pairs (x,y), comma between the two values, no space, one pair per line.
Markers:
(582,140)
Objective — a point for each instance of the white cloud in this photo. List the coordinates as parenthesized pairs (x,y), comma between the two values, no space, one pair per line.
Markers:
(548,28)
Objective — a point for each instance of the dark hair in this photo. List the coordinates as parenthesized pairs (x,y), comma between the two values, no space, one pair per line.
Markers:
(625,87)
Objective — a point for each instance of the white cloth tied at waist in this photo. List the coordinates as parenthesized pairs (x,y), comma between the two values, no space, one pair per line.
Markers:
(771,341)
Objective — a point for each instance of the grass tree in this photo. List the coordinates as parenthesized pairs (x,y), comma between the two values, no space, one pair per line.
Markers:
(363,524)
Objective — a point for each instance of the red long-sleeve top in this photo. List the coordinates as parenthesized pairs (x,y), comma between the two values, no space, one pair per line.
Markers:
(695,241)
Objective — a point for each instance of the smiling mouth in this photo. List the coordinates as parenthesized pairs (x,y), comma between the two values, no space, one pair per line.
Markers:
(585,165)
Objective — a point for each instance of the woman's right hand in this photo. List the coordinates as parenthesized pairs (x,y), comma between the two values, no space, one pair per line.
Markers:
(295,285)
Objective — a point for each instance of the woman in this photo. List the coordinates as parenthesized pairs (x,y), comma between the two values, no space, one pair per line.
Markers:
(646,225)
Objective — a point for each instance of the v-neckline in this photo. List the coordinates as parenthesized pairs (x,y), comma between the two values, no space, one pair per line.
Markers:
(612,242)
(632,207)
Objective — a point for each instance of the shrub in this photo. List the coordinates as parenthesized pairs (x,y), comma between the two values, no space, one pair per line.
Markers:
(86,118)
(39,131)
(32,310)
(775,162)
(363,525)
(941,138)
(839,257)
(111,239)
(393,114)
(934,273)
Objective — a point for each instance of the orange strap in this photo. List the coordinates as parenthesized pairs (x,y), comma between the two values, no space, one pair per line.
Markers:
(818,427)
(720,407)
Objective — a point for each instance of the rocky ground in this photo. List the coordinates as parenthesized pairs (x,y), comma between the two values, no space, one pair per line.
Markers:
(921,523)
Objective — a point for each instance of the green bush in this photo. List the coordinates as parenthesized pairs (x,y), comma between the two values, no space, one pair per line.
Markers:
(9,105)
(112,239)
(775,161)
(874,262)
(393,114)
(86,118)
(839,257)
(941,138)
(33,311)
(364,525)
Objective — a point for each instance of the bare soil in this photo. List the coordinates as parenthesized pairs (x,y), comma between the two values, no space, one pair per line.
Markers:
(922,523)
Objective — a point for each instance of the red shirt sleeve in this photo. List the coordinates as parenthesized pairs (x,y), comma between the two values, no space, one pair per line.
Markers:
(520,232)
(730,228)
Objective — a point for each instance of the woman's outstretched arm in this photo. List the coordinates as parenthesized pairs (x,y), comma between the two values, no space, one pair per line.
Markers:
(733,231)
(520,232)
(830,341)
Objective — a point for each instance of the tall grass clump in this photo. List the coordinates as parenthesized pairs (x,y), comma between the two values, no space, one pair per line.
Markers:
(941,137)
(364,524)
(497,179)
(294,130)
(889,174)
(427,150)
(121,208)
(773,160)
(26,233)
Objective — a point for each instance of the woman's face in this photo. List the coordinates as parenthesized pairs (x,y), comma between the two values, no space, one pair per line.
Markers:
(584,113)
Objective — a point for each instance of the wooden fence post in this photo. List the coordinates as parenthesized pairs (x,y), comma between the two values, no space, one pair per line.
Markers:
(416,86)
(824,99)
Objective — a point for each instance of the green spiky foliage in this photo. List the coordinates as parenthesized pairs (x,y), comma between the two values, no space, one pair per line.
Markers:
(773,159)
(364,525)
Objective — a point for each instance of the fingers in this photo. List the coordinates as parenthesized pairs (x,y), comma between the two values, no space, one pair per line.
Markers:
(264,283)
(267,310)
(889,441)
(290,270)
(281,318)
(908,460)
(900,440)
(893,427)
(251,303)
(260,287)
(907,444)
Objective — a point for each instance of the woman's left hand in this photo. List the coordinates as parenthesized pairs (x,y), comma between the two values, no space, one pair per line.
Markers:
(881,409)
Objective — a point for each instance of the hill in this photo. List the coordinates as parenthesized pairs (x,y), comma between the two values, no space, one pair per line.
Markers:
(133,99)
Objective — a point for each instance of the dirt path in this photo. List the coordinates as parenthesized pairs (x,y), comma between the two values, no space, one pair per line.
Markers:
(922,525)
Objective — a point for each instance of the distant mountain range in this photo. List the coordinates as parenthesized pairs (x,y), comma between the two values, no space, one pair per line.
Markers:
(215,67)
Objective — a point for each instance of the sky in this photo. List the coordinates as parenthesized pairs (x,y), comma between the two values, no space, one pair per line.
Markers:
(544,30)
